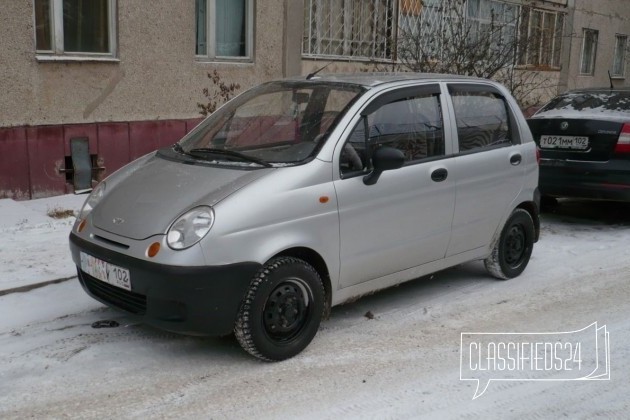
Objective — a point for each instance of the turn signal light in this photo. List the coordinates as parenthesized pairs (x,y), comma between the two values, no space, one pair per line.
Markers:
(153,249)
(81,226)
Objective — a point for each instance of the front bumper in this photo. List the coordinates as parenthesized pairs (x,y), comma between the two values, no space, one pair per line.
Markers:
(188,300)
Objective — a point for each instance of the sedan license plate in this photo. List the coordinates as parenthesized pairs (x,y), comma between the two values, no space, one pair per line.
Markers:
(104,271)
(564,142)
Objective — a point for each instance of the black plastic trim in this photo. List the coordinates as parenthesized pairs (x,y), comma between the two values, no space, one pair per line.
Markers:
(199,300)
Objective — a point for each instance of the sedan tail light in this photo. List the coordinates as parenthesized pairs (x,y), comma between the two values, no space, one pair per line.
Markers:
(623,144)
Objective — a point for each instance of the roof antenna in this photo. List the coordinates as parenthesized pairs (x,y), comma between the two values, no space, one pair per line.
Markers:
(611,82)
(311,75)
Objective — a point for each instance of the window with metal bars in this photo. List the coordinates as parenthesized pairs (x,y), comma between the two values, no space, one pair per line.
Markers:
(348,28)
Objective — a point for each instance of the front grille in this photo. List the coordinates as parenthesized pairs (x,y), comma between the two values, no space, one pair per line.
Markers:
(120,298)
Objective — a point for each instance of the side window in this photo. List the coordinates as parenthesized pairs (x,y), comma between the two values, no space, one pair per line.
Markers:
(482,119)
(412,125)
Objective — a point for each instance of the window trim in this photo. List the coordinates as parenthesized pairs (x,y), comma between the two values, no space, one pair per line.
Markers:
(57,53)
(593,60)
(210,56)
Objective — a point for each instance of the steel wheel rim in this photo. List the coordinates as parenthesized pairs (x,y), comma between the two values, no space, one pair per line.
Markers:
(287,310)
(515,245)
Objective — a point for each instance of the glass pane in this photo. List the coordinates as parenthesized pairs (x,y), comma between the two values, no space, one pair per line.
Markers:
(620,54)
(557,44)
(547,38)
(43,40)
(280,122)
(201,19)
(535,38)
(588,52)
(86,26)
(231,22)
(482,120)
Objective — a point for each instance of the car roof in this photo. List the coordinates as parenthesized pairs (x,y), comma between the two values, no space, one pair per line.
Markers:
(370,79)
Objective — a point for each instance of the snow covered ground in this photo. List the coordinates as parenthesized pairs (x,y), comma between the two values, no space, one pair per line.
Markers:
(403,363)
(33,245)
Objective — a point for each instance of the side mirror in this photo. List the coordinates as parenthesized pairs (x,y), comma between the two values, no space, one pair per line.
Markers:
(384,159)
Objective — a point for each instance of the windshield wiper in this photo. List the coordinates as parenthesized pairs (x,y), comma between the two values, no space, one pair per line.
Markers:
(231,153)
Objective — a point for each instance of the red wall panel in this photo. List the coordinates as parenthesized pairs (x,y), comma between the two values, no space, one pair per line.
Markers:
(146,136)
(31,157)
(192,123)
(80,130)
(113,146)
(14,176)
(46,157)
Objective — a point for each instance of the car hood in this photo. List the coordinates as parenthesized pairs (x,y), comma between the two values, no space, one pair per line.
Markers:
(152,196)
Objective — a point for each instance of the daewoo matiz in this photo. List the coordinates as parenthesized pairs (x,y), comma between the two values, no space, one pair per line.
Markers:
(301,194)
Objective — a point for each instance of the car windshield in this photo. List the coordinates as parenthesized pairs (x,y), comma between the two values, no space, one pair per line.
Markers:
(275,124)
(591,101)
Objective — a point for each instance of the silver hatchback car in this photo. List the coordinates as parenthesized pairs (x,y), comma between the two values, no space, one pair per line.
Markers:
(304,193)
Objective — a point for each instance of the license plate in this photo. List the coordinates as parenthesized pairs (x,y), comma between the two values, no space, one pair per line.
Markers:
(564,142)
(104,271)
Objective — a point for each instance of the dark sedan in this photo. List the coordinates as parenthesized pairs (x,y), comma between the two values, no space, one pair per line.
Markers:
(584,141)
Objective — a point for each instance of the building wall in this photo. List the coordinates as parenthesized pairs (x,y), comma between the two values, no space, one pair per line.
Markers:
(145,100)
(609,17)
(157,76)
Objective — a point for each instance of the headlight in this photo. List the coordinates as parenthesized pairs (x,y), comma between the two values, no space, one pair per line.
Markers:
(190,228)
(92,200)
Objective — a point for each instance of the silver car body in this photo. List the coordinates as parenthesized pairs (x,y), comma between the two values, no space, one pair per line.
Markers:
(365,237)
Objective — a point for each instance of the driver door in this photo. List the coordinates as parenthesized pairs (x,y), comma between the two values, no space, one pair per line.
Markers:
(404,219)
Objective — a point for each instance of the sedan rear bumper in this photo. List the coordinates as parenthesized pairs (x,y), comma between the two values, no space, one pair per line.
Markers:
(188,300)
(577,179)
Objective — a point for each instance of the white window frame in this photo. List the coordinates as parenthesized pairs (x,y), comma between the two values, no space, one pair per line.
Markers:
(593,59)
(620,59)
(211,44)
(57,52)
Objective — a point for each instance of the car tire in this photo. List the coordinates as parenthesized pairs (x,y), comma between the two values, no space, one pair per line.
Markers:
(281,311)
(512,250)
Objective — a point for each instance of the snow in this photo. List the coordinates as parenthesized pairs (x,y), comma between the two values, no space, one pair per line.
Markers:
(34,246)
(404,363)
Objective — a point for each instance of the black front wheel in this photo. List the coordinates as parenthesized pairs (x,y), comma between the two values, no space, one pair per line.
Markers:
(281,311)
(512,250)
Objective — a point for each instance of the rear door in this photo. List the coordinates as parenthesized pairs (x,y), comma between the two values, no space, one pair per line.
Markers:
(489,166)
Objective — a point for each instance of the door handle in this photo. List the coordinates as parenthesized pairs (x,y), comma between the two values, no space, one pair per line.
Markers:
(515,159)
(439,175)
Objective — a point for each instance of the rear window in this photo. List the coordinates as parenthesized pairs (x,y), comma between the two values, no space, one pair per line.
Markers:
(591,101)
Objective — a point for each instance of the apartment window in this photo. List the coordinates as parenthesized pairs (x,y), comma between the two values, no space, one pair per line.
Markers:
(350,28)
(619,60)
(494,22)
(84,28)
(540,42)
(224,29)
(589,51)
